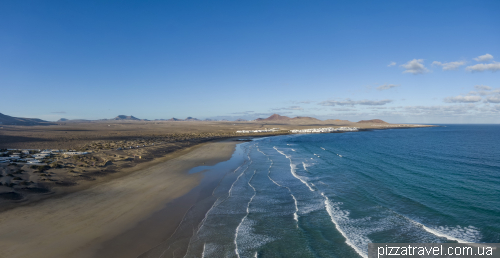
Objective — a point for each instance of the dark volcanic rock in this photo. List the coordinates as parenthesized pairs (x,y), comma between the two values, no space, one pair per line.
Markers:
(277,117)
(10,120)
(123,117)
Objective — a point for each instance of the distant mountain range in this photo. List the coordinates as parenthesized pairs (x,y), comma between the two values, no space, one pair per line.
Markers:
(10,120)
(306,119)
(187,119)
(276,117)
(123,117)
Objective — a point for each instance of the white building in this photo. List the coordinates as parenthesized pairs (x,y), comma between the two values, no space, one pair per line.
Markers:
(41,155)
(326,130)
(75,153)
(259,131)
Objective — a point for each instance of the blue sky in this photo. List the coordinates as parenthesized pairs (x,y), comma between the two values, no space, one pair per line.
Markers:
(401,61)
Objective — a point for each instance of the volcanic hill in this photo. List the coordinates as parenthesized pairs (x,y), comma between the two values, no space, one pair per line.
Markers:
(373,121)
(10,120)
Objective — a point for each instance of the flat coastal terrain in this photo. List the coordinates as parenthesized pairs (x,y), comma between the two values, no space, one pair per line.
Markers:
(76,224)
(101,204)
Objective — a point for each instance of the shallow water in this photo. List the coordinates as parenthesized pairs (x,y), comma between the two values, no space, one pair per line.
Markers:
(329,195)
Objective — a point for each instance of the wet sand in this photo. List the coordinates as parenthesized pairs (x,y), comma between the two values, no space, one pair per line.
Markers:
(104,220)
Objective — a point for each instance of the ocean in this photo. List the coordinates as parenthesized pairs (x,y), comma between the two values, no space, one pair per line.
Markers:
(329,195)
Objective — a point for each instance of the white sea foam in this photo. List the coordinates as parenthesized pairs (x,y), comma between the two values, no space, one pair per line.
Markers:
(322,148)
(293,150)
(239,167)
(231,189)
(243,219)
(311,206)
(338,216)
(292,169)
(249,241)
(216,203)
(460,234)
(210,250)
(295,214)
(203,253)
(469,234)
(306,165)
(258,149)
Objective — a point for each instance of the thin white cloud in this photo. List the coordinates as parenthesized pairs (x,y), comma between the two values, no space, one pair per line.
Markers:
(243,113)
(482,87)
(391,64)
(484,58)
(303,102)
(344,109)
(387,86)
(289,108)
(415,66)
(449,66)
(483,90)
(495,66)
(441,110)
(349,102)
(463,99)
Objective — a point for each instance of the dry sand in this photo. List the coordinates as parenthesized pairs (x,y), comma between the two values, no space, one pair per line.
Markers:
(77,224)
(99,218)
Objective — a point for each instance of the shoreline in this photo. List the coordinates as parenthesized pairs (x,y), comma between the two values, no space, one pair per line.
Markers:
(168,225)
(140,234)
(77,224)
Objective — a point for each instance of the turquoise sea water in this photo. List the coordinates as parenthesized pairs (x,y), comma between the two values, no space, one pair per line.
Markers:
(329,195)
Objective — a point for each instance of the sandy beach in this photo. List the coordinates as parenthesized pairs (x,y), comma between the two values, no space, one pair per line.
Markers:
(128,195)
(77,224)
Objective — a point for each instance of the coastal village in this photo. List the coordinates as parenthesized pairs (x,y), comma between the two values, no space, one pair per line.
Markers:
(310,130)
(27,171)
(326,130)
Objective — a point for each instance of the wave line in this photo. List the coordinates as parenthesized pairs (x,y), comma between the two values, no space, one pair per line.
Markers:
(330,210)
(295,214)
(292,169)
(243,219)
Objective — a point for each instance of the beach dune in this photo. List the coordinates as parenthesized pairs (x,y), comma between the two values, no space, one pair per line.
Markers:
(77,225)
